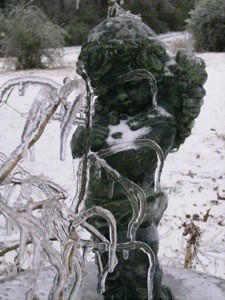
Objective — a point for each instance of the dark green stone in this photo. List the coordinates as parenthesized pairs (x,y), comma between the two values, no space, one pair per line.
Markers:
(111,50)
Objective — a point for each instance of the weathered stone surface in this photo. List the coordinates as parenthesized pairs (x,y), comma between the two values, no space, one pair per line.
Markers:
(142,93)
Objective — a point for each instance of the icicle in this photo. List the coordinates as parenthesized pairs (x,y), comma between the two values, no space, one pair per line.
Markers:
(77,4)
(102,279)
(111,189)
(8,189)
(98,170)
(69,117)
(75,203)
(48,217)
(66,80)
(9,226)
(67,123)
(32,153)
(125,254)
(87,249)
(99,262)
(23,242)
(37,261)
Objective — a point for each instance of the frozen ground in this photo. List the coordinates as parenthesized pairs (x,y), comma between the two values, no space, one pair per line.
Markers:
(193,177)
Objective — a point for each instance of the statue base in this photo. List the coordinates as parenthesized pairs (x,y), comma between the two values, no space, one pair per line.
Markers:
(185,285)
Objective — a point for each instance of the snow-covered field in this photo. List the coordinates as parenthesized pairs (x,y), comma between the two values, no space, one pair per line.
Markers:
(195,180)
(194,177)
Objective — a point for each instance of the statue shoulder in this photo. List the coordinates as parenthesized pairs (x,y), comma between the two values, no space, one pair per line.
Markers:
(152,117)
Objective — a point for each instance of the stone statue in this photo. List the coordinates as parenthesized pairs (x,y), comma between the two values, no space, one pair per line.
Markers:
(142,93)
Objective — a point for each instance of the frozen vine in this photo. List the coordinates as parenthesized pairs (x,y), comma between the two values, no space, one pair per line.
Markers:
(57,221)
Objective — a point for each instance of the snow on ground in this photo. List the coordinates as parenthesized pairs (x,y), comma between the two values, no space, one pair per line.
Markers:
(193,177)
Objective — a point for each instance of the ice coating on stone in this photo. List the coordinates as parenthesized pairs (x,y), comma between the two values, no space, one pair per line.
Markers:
(111,189)
(134,193)
(98,170)
(138,143)
(131,190)
(135,74)
(125,254)
(147,249)
(142,73)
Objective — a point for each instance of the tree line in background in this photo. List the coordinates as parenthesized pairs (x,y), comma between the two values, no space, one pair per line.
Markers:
(160,15)
(28,28)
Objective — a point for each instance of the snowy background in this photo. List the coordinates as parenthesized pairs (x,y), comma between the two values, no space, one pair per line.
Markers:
(194,177)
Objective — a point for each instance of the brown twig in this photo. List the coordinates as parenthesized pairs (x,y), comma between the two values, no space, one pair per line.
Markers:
(16,155)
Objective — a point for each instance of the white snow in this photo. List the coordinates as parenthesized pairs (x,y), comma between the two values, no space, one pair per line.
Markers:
(193,177)
(127,135)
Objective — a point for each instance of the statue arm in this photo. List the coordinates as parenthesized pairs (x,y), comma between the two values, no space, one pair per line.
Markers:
(99,134)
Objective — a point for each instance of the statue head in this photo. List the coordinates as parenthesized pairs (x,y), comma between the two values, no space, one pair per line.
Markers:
(118,45)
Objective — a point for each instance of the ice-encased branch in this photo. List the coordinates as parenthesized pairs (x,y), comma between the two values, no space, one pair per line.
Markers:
(38,116)
(37,231)
(23,82)
(50,188)
(35,116)
(69,117)
(107,215)
(16,155)
(75,267)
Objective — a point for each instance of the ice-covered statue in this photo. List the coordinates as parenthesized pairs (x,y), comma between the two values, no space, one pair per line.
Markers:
(146,103)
